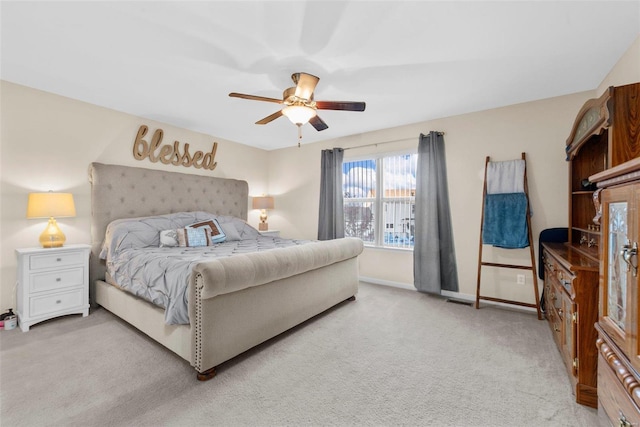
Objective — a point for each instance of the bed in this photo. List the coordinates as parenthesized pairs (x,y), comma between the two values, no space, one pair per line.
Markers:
(234,302)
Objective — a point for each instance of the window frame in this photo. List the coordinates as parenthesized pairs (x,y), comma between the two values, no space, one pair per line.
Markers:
(379,200)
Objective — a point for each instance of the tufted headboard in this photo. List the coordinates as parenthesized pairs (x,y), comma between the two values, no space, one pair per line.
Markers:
(130,192)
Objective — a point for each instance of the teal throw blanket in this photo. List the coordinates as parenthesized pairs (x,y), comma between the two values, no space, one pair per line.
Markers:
(505,220)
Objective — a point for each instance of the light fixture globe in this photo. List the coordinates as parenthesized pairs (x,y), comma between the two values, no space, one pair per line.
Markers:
(299,114)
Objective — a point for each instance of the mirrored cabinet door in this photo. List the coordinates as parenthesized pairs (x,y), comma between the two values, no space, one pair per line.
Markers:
(614,296)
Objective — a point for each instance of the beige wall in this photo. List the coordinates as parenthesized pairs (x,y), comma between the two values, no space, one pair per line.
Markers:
(537,128)
(47,143)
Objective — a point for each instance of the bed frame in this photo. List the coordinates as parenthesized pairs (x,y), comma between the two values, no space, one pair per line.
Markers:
(223,325)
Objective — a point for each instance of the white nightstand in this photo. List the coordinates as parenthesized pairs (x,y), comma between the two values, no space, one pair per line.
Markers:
(271,233)
(52,282)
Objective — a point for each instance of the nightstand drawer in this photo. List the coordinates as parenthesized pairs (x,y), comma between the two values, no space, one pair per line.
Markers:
(38,262)
(57,302)
(56,279)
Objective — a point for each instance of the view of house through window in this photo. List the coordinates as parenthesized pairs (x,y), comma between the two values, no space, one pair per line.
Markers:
(379,200)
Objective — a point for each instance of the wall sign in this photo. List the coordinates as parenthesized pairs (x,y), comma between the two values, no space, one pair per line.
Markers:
(171,154)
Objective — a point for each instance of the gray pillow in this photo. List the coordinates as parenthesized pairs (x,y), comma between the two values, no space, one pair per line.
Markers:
(230,231)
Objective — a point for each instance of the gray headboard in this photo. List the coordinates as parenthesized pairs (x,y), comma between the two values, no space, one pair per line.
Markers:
(130,192)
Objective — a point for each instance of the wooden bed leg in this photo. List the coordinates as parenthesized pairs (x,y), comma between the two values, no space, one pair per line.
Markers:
(207,375)
(351,298)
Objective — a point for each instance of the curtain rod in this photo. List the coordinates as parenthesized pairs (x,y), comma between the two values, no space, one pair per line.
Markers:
(385,142)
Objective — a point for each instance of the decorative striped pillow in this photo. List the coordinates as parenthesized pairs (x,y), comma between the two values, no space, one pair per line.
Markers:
(215,230)
(194,237)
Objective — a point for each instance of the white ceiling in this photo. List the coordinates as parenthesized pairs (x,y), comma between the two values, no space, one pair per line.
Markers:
(176,62)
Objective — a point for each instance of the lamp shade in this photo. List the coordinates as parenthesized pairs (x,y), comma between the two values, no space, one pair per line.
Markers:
(264,202)
(49,205)
(299,114)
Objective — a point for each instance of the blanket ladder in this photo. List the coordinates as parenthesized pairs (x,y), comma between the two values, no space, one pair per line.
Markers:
(482,263)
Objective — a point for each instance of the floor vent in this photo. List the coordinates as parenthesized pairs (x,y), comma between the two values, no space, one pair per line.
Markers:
(461,302)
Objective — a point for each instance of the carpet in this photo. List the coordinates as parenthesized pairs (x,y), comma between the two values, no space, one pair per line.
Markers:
(392,357)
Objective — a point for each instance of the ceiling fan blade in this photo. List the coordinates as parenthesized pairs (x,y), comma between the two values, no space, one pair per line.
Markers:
(305,85)
(255,97)
(340,105)
(269,118)
(318,123)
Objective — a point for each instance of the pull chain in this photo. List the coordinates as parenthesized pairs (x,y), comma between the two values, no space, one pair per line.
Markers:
(299,134)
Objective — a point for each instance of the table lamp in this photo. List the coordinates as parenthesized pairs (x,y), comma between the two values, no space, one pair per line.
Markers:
(50,205)
(263,203)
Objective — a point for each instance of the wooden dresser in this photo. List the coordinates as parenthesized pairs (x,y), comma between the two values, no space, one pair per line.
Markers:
(570,287)
(619,320)
(605,134)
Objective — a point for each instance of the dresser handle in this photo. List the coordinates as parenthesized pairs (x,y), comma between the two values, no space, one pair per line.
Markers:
(622,420)
(629,255)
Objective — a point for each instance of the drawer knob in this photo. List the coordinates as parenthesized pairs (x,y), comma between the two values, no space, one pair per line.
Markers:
(58,279)
(58,259)
(58,301)
(622,420)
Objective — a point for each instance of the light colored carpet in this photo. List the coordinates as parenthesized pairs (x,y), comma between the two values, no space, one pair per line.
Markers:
(392,357)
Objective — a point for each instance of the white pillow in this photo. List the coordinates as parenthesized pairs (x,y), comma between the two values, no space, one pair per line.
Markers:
(169,238)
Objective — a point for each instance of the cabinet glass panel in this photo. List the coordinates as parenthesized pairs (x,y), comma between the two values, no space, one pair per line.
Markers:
(617,274)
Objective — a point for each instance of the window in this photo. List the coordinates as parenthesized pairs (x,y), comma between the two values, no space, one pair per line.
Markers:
(379,200)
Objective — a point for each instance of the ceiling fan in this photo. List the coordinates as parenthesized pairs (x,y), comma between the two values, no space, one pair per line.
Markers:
(299,105)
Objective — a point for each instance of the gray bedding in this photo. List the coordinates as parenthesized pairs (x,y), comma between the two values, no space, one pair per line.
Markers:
(136,262)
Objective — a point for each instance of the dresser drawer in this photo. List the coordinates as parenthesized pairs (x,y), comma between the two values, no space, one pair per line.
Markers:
(41,305)
(56,279)
(613,398)
(558,274)
(38,262)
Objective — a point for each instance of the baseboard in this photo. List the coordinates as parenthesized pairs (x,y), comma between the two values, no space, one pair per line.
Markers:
(387,283)
(448,294)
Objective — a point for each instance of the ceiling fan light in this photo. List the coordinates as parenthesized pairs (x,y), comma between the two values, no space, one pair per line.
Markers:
(299,114)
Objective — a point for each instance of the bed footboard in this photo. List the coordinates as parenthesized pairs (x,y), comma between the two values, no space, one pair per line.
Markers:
(234,322)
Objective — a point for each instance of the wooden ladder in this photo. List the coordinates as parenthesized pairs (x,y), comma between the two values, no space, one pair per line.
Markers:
(531,268)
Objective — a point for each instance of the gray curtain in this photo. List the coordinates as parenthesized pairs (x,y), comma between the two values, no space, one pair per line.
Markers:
(434,257)
(331,216)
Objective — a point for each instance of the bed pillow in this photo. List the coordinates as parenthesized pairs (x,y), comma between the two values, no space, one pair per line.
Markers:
(144,232)
(193,237)
(169,238)
(216,232)
(230,231)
